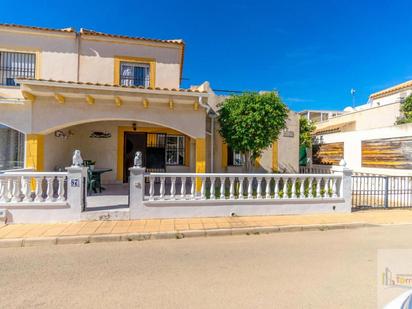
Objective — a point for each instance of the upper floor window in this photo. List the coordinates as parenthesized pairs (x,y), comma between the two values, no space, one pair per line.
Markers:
(134,74)
(14,65)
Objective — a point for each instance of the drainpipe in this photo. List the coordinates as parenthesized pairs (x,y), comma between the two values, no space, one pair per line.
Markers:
(212,117)
(78,54)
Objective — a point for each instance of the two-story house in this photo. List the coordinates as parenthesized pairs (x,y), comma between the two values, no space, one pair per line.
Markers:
(110,96)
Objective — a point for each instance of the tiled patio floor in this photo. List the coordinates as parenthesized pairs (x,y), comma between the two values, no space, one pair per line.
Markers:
(176,225)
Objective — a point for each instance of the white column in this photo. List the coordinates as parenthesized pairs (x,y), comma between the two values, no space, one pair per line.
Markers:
(137,188)
(345,184)
(76,189)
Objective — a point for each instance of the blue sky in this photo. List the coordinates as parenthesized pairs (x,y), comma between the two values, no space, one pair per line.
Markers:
(312,52)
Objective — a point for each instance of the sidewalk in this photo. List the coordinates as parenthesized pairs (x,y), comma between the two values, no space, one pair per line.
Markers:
(18,235)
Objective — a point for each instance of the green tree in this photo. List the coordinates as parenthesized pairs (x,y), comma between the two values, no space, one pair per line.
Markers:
(306,128)
(406,109)
(250,122)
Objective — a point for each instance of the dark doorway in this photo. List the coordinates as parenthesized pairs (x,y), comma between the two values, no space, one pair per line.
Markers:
(156,152)
(133,141)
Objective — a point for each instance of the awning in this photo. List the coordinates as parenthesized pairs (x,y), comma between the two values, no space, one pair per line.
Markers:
(333,128)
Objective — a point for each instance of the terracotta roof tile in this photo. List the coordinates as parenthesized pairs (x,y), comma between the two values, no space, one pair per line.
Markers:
(93,33)
(108,85)
(391,89)
(96,33)
(67,30)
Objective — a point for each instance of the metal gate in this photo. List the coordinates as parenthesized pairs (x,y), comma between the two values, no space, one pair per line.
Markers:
(378,191)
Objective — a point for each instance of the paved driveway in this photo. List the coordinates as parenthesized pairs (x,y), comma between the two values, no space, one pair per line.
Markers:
(331,269)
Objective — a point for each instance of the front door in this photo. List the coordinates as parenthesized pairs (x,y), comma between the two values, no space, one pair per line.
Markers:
(133,142)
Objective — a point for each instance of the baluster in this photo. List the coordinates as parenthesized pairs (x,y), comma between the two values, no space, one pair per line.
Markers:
(318,180)
(26,189)
(250,187)
(326,195)
(193,188)
(310,195)
(9,189)
(241,196)
(162,188)
(267,190)
(276,193)
(39,189)
(3,189)
(183,188)
(173,188)
(49,192)
(294,195)
(285,187)
(334,187)
(232,188)
(259,188)
(212,187)
(16,190)
(222,188)
(151,187)
(203,188)
(302,187)
(60,190)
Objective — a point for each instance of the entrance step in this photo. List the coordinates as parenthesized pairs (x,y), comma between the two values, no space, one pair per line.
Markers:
(106,214)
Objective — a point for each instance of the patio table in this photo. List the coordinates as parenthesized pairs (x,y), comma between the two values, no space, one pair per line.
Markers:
(97,172)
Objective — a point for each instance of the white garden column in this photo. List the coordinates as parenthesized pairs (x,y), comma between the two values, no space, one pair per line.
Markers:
(76,189)
(344,186)
(136,188)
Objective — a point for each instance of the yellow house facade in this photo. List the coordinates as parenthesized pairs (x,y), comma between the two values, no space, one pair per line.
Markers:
(110,96)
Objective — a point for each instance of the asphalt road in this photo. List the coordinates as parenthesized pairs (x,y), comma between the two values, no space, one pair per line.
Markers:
(331,269)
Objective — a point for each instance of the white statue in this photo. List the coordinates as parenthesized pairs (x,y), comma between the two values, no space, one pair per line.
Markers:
(77,158)
(138,159)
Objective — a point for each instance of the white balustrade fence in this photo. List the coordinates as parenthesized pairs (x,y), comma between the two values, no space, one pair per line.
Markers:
(178,195)
(33,187)
(182,186)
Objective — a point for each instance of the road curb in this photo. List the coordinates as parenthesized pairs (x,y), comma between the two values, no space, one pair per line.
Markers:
(85,239)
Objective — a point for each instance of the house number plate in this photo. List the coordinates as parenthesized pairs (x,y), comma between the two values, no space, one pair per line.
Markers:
(75,182)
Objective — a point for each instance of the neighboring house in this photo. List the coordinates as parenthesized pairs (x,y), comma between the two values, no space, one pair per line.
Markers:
(110,96)
(318,115)
(367,136)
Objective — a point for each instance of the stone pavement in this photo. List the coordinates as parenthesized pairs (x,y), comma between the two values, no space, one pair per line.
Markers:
(17,235)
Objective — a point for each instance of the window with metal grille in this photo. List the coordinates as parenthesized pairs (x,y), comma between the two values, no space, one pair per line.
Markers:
(14,65)
(175,150)
(134,74)
(235,158)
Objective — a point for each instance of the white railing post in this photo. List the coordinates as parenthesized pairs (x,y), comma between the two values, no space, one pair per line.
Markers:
(344,185)
(222,188)
(232,188)
(241,194)
(203,188)
(173,188)
(137,191)
(16,196)
(151,187)
(183,188)
(76,188)
(49,191)
(267,190)
(27,189)
(250,188)
(212,187)
(39,189)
